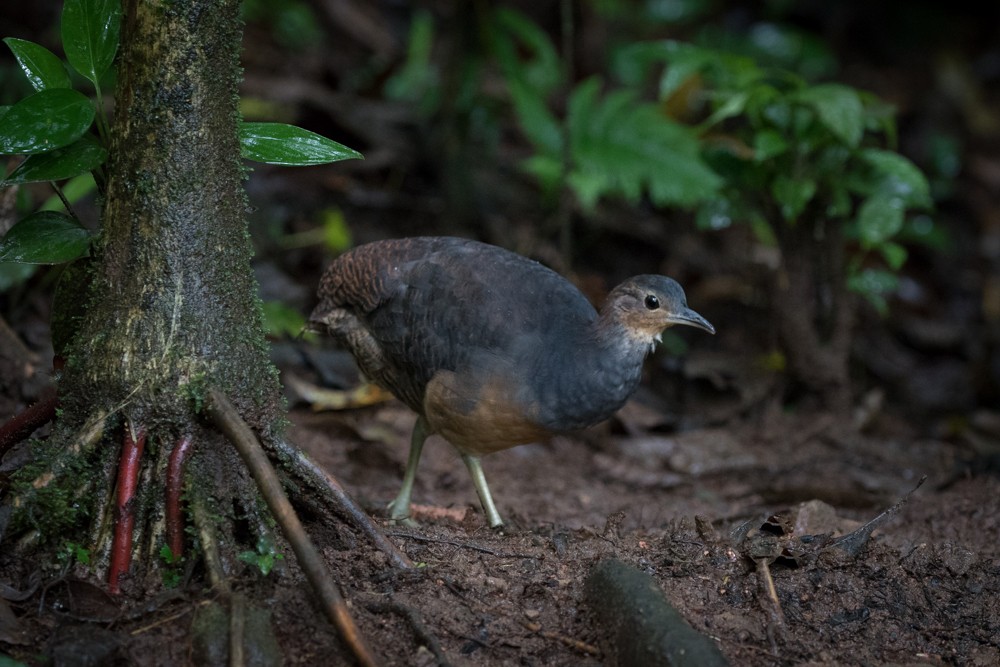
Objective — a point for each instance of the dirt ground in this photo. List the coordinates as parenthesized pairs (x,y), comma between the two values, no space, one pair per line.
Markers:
(713,481)
(687,508)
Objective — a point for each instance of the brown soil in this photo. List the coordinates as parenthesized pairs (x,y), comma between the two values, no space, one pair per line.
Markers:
(682,507)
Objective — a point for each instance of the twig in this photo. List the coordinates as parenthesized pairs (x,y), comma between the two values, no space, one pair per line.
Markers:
(775,615)
(237,628)
(175,484)
(128,481)
(209,544)
(413,618)
(23,424)
(461,545)
(577,644)
(228,420)
(335,493)
(854,541)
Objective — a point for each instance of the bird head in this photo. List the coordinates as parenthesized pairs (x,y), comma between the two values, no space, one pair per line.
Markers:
(647,305)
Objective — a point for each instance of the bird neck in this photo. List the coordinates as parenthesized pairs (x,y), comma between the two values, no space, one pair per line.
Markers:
(595,374)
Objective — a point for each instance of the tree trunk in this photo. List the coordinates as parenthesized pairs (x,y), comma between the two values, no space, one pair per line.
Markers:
(171,307)
(814,313)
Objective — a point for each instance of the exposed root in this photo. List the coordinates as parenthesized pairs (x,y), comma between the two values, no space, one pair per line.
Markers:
(335,494)
(133,443)
(23,424)
(425,636)
(209,544)
(175,485)
(228,420)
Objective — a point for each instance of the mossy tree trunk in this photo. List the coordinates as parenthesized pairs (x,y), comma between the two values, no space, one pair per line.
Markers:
(171,307)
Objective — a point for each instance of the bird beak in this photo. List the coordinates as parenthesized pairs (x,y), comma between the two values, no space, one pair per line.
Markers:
(692,319)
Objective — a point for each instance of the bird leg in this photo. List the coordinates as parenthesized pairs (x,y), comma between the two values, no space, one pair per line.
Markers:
(479,480)
(399,509)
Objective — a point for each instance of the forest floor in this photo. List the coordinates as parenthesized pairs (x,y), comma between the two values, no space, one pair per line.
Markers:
(682,506)
(713,480)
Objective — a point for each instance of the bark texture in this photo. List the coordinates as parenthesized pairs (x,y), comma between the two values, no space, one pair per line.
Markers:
(171,308)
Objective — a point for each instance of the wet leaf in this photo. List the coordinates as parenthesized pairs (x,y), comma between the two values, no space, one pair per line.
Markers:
(278,143)
(46,237)
(90,30)
(47,120)
(60,164)
(41,66)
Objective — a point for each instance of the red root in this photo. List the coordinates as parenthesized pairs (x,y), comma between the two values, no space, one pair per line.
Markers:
(128,480)
(23,424)
(175,482)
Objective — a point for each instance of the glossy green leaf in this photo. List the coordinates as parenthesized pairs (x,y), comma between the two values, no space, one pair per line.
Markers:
(90,30)
(60,164)
(47,120)
(41,66)
(839,108)
(278,143)
(879,219)
(46,237)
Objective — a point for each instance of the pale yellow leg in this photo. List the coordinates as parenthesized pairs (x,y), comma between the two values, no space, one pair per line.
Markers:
(400,507)
(479,480)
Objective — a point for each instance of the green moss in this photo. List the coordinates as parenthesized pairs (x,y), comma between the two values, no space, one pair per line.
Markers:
(57,507)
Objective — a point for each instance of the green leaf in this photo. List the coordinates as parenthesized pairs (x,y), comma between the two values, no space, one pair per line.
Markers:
(768,144)
(538,123)
(793,194)
(879,219)
(518,35)
(77,158)
(41,66)
(280,319)
(898,177)
(278,143)
(7,661)
(47,120)
(874,285)
(90,30)
(623,147)
(839,108)
(46,237)
(894,255)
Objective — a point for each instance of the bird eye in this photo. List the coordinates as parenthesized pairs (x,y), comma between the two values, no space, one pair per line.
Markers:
(652,302)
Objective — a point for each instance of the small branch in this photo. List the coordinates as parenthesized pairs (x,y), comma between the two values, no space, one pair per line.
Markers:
(425,636)
(128,481)
(23,424)
(338,496)
(175,484)
(228,420)
(209,544)
(461,545)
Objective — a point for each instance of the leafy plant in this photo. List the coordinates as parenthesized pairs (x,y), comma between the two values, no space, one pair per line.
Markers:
(608,144)
(64,135)
(797,154)
(812,169)
(264,558)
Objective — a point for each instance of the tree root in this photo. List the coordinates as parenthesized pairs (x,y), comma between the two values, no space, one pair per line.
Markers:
(425,636)
(23,424)
(175,485)
(335,494)
(227,419)
(133,442)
